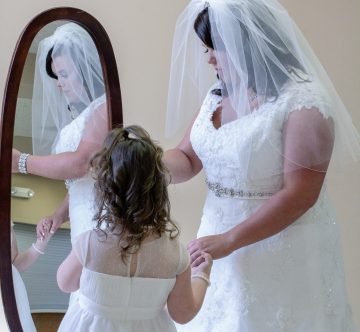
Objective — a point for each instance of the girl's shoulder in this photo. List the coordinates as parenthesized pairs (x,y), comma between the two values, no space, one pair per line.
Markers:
(173,250)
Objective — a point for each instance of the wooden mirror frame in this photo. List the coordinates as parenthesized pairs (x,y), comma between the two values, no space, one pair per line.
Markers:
(114,104)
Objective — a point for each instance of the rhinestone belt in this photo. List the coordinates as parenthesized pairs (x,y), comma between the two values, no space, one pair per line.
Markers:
(221,191)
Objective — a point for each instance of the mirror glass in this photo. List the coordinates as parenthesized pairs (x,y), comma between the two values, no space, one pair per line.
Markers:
(35,197)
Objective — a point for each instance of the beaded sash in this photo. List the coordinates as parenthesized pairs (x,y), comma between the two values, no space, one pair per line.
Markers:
(221,191)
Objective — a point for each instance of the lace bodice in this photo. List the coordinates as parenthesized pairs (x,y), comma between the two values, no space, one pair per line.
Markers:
(245,154)
(71,135)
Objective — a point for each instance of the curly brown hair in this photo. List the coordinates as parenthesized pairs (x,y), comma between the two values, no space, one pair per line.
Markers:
(131,188)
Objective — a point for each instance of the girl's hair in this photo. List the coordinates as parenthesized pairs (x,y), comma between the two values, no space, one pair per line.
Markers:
(202,27)
(131,188)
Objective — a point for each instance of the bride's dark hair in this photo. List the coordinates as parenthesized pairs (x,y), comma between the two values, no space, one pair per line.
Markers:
(202,27)
(98,89)
(131,188)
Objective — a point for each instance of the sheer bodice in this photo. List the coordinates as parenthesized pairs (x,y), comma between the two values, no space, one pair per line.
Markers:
(157,258)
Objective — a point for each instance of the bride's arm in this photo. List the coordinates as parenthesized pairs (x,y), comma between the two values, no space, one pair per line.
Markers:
(182,161)
(69,165)
(300,192)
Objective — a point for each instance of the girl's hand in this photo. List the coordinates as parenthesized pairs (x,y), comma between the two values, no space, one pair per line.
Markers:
(48,225)
(15,161)
(202,264)
(218,246)
(42,241)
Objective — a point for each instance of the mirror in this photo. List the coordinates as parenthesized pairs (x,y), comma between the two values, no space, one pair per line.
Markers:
(34,197)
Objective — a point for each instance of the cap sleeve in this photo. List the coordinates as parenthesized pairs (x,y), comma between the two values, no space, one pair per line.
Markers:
(184,259)
(81,245)
(305,96)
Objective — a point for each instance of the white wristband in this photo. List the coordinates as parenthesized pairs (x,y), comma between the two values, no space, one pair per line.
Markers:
(203,276)
(37,249)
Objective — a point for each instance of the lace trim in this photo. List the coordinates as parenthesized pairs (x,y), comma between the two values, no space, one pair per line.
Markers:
(221,191)
(68,183)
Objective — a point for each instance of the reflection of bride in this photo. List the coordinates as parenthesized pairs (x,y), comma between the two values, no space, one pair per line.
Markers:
(69,122)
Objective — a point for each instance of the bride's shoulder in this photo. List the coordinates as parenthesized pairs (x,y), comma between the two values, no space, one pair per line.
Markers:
(300,95)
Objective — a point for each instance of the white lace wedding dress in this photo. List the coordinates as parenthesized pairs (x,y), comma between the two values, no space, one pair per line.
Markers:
(292,281)
(113,300)
(81,194)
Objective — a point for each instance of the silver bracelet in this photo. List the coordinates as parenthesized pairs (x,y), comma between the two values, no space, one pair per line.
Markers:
(22,163)
(37,249)
(203,276)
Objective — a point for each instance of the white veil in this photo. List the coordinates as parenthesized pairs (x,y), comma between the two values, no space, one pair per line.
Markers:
(68,78)
(260,52)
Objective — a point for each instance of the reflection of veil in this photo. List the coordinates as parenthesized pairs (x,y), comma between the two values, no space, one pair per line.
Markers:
(68,77)
(262,61)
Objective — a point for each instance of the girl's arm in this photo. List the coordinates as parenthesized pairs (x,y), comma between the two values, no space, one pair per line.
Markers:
(68,273)
(300,192)
(187,296)
(182,161)
(22,261)
(69,165)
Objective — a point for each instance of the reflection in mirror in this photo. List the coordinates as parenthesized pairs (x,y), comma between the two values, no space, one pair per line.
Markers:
(61,118)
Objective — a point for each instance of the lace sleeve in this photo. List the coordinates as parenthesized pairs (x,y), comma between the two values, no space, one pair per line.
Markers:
(308,131)
(306,96)
(184,259)
(81,245)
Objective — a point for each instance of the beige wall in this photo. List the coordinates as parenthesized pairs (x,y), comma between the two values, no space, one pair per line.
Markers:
(141,35)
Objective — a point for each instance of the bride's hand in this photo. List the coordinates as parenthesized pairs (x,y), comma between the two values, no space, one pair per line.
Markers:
(15,161)
(217,246)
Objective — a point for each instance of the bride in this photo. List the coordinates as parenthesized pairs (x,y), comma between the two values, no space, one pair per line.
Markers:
(264,135)
(69,122)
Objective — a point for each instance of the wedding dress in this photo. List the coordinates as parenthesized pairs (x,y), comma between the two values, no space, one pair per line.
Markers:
(113,300)
(81,190)
(293,281)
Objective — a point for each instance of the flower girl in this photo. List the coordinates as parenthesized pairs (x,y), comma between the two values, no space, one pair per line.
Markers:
(131,266)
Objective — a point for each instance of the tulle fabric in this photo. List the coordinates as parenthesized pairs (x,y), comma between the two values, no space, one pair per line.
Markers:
(67,80)
(259,51)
